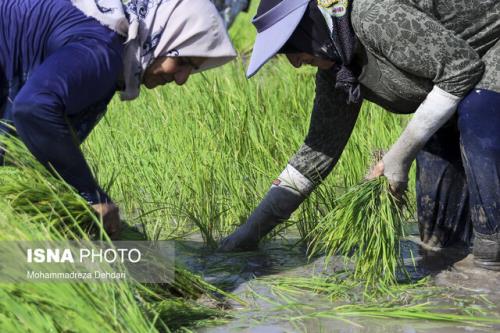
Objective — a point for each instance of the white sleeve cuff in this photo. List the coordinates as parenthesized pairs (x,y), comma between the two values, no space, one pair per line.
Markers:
(293,179)
(437,108)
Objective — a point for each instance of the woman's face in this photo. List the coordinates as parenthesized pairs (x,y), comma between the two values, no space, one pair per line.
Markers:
(299,59)
(167,69)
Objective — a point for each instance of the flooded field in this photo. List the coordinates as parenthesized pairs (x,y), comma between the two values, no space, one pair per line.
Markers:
(197,160)
(248,275)
(179,186)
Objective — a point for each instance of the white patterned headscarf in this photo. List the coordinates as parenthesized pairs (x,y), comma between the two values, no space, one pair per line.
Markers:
(157,28)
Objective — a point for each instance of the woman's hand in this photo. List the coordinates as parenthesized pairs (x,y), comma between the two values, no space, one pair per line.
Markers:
(376,171)
(397,188)
(110,216)
(438,107)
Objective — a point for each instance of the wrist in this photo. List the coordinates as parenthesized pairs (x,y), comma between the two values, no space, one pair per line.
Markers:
(96,197)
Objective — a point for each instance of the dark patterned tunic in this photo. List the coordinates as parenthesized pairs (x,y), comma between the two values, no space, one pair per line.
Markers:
(407,47)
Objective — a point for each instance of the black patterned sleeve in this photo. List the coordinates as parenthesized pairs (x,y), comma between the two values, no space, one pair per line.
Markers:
(332,121)
(418,44)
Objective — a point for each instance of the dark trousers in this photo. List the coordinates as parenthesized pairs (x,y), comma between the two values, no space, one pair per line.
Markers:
(458,174)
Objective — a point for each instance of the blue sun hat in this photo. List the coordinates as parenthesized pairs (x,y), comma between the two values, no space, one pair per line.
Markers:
(275,22)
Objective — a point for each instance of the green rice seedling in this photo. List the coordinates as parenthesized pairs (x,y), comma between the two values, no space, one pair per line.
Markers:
(342,297)
(294,288)
(212,148)
(179,315)
(314,209)
(241,34)
(70,308)
(198,158)
(340,287)
(365,225)
(410,312)
(35,205)
(375,130)
(191,286)
(40,196)
(60,307)
(97,307)
(43,201)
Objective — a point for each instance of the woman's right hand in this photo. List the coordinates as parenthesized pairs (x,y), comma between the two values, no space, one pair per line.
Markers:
(110,217)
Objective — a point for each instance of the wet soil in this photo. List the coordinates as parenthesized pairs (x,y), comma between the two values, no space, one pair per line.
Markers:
(241,274)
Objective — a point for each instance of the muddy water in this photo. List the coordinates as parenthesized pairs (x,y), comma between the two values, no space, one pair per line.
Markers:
(240,272)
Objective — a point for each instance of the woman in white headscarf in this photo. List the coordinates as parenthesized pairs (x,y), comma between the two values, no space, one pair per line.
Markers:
(61,61)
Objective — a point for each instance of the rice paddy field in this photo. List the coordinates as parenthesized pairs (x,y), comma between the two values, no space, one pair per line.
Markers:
(189,164)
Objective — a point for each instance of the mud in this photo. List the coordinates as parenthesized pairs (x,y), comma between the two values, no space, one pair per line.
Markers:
(240,272)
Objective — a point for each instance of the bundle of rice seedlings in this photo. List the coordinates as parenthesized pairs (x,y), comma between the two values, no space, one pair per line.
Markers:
(365,224)
(39,195)
(43,200)
(104,307)
(35,205)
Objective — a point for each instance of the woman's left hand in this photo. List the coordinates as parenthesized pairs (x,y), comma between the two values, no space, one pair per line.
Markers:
(437,108)
(110,217)
(398,188)
(376,170)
